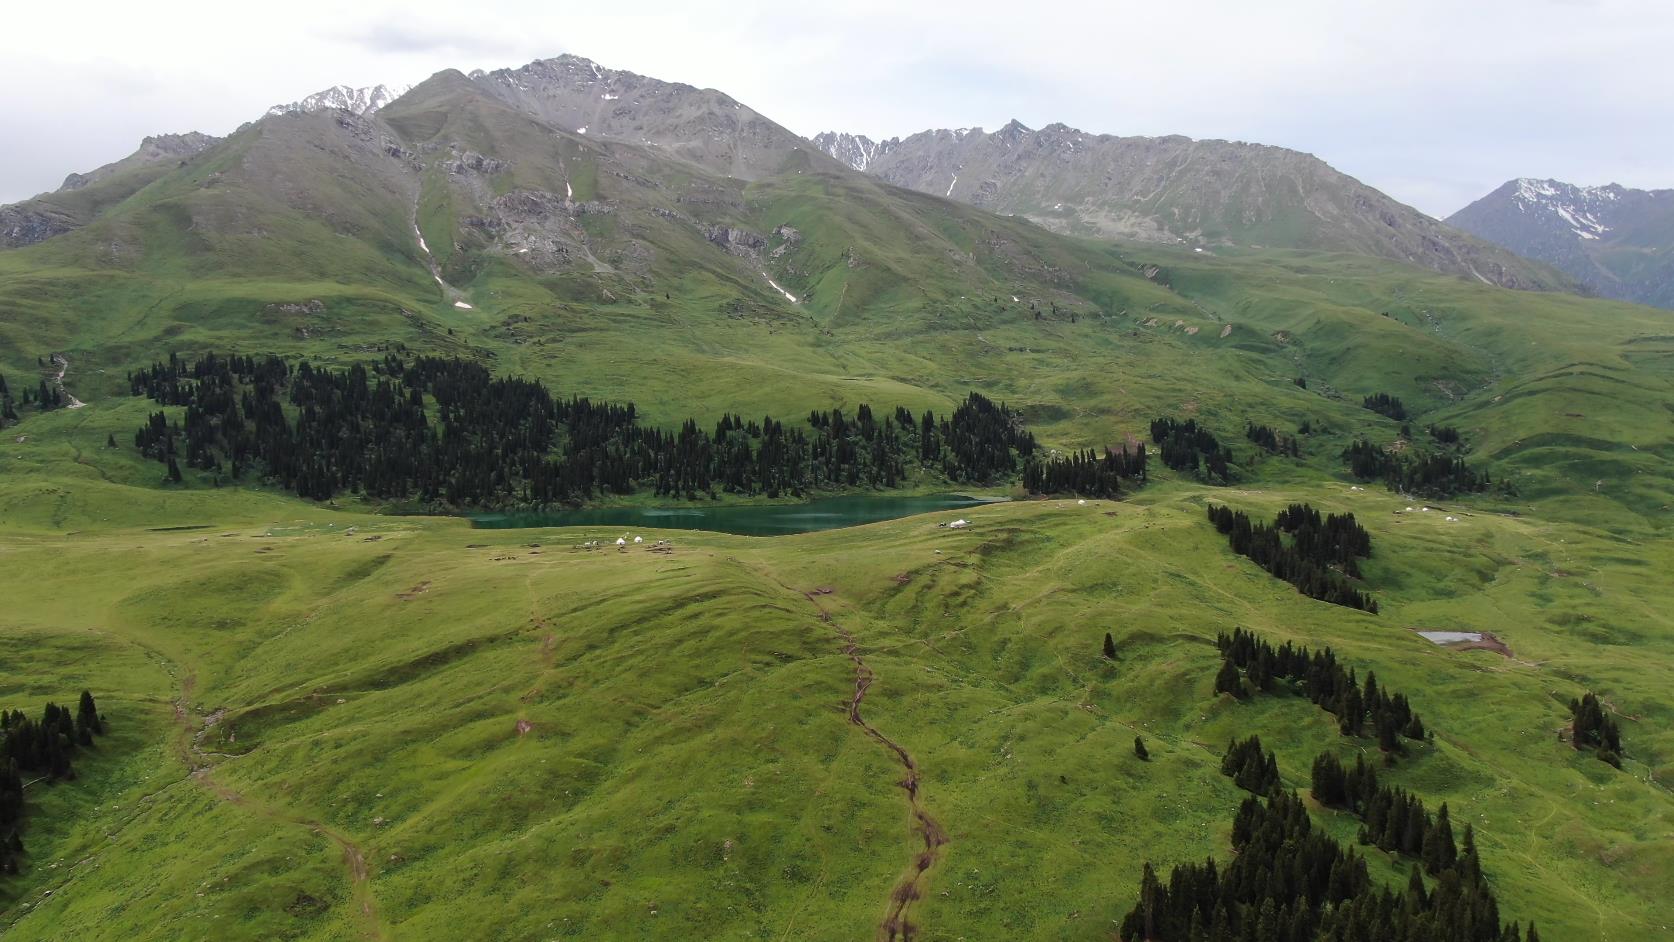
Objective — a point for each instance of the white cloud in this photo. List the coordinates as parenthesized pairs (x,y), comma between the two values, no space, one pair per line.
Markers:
(1437,102)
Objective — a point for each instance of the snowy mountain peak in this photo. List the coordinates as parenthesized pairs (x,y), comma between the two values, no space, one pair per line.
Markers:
(1577,207)
(363,101)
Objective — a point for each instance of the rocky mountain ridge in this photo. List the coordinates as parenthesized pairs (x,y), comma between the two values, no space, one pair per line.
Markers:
(362,101)
(1174,189)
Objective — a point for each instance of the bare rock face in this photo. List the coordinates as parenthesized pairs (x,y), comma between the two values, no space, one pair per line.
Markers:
(472,162)
(1177,190)
(27,224)
(741,242)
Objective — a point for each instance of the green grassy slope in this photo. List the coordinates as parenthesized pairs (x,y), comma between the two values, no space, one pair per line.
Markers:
(349,689)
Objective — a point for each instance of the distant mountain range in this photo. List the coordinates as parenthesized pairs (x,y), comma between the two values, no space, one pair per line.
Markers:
(1177,190)
(1200,194)
(1616,241)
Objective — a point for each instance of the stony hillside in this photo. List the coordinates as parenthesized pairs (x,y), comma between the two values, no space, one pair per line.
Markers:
(84,195)
(1617,241)
(1178,190)
(704,126)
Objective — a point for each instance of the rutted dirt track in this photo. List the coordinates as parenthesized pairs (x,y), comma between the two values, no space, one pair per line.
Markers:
(354,860)
(897,925)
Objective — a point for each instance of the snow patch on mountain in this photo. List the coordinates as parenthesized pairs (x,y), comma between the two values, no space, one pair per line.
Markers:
(856,150)
(1579,207)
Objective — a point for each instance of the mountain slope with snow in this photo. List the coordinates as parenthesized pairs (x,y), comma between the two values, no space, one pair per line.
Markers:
(1617,241)
(362,101)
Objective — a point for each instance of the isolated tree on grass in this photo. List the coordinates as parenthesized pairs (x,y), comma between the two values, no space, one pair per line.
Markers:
(1109,647)
(1140,750)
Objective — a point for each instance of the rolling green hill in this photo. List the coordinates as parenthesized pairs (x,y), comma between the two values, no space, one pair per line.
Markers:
(334,722)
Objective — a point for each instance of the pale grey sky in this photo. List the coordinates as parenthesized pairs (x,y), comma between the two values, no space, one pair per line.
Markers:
(1434,101)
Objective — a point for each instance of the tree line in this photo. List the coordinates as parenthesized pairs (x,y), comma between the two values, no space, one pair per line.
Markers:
(39,750)
(1319,676)
(1393,819)
(1424,474)
(1306,560)
(1596,729)
(445,431)
(1085,472)
(1385,404)
(1289,881)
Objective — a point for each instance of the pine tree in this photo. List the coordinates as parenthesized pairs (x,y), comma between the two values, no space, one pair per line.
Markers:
(1140,750)
(1229,680)
(1109,647)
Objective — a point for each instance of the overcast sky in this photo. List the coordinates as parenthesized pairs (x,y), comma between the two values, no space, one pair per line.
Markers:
(1433,101)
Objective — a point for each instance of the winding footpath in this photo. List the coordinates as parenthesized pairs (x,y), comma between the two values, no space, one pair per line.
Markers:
(354,859)
(897,925)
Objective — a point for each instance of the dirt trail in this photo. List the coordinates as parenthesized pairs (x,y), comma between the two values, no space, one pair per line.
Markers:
(354,859)
(897,925)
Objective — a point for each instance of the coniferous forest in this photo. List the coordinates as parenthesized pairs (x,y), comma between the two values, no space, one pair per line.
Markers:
(1319,676)
(1291,882)
(1385,404)
(1188,446)
(444,431)
(41,751)
(1425,474)
(1085,472)
(1319,559)
(42,397)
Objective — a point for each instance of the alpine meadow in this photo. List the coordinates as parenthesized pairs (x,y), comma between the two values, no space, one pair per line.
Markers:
(366,573)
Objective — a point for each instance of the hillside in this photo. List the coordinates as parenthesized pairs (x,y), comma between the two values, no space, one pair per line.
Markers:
(365,718)
(1177,190)
(1617,241)
(84,196)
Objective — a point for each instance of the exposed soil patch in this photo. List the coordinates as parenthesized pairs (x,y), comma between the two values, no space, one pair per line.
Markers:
(414,592)
(1488,642)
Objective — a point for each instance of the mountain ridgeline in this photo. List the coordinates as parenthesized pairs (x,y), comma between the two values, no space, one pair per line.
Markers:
(1203,193)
